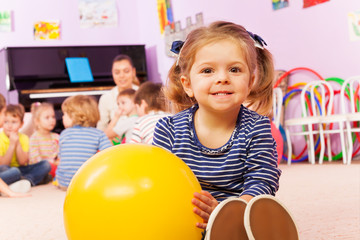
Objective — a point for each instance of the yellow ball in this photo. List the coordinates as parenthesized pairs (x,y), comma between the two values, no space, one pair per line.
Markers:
(132,191)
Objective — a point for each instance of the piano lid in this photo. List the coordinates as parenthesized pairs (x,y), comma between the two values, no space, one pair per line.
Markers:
(32,68)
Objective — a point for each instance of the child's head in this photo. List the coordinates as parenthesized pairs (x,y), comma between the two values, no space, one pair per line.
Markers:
(2,109)
(125,101)
(149,97)
(43,116)
(80,110)
(123,72)
(14,117)
(256,61)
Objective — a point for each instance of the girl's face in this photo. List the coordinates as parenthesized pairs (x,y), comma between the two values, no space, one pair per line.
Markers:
(126,105)
(46,120)
(67,120)
(123,74)
(219,79)
(12,124)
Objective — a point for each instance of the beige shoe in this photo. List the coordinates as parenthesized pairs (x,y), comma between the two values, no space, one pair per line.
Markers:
(267,219)
(226,222)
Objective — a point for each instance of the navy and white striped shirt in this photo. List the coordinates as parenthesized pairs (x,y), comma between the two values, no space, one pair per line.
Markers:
(76,145)
(246,164)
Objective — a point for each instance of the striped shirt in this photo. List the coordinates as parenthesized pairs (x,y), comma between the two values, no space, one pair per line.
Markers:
(77,144)
(143,131)
(43,147)
(246,164)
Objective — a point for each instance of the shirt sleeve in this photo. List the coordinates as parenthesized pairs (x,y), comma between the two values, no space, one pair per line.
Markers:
(124,125)
(104,142)
(262,175)
(163,134)
(34,150)
(24,141)
(135,136)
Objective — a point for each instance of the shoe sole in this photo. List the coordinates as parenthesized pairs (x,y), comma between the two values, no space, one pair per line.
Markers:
(227,221)
(267,219)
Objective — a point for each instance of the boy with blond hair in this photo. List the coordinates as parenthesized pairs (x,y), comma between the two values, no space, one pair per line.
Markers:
(14,147)
(81,139)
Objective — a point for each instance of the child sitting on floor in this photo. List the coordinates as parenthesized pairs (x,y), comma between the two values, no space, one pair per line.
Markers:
(12,175)
(80,140)
(14,147)
(44,144)
(120,127)
(150,106)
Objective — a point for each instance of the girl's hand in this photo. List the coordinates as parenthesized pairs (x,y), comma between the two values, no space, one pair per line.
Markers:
(204,203)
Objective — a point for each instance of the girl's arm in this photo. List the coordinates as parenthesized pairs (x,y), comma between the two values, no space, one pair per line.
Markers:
(263,173)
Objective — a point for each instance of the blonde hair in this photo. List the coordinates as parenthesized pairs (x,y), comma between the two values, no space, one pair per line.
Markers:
(82,110)
(37,108)
(259,62)
(15,111)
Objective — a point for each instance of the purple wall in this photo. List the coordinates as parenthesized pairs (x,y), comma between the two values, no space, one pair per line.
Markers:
(315,37)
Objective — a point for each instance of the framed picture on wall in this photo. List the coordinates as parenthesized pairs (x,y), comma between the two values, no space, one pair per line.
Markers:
(310,3)
(278,4)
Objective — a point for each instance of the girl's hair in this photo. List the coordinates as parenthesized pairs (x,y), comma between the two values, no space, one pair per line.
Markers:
(127,92)
(259,62)
(37,108)
(83,110)
(16,111)
(2,102)
(121,57)
(152,94)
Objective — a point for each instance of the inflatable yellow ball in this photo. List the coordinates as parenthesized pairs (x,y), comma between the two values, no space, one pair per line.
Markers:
(132,191)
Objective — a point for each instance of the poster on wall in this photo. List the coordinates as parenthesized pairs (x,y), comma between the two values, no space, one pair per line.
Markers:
(165,14)
(5,21)
(47,30)
(278,4)
(98,13)
(310,3)
(354,25)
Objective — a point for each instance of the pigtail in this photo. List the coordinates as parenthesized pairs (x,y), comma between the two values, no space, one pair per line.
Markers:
(178,100)
(260,97)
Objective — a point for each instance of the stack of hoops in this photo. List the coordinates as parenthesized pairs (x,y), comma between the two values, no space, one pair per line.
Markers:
(344,121)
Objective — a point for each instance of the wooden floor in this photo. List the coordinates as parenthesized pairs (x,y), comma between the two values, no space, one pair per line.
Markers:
(323,199)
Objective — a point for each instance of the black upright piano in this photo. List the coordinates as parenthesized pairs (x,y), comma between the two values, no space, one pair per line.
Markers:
(39,74)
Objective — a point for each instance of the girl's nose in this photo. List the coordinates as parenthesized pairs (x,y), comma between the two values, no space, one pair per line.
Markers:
(223,78)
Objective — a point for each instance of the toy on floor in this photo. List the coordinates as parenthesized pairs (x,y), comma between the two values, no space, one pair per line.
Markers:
(132,191)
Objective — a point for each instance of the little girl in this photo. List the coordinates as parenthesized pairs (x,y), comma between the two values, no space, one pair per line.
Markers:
(44,144)
(228,147)
(80,140)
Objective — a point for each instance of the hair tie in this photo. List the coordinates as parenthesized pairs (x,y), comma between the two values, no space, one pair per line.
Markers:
(258,41)
(176,48)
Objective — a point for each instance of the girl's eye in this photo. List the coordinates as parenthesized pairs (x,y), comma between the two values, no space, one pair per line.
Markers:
(206,70)
(235,69)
